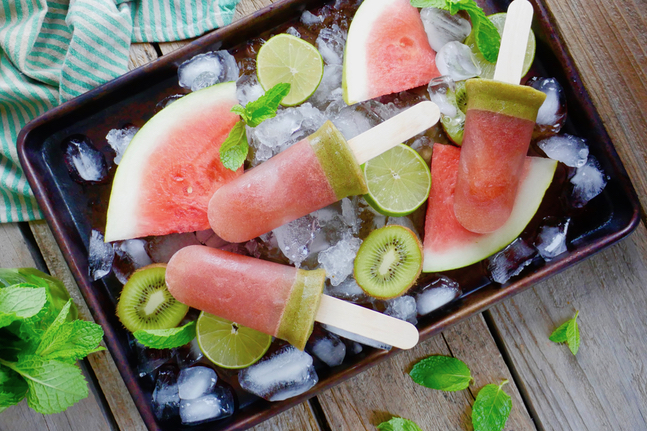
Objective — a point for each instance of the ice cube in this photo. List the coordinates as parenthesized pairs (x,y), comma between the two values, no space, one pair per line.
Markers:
(204,80)
(403,308)
(285,374)
(308,18)
(436,294)
(84,162)
(237,248)
(148,359)
(511,261)
(349,209)
(568,149)
(188,354)
(552,113)
(209,238)
(329,88)
(348,290)
(134,251)
(221,66)
(216,405)
(119,140)
(195,382)
(439,90)
(166,399)
(100,256)
(248,89)
(330,43)
(442,27)
(329,349)
(353,347)
(338,259)
(293,31)
(588,182)
(457,61)
(350,120)
(162,248)
(295,237)
(551,240)
(355,337)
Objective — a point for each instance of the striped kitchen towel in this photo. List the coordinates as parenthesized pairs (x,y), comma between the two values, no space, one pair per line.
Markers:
(53,50)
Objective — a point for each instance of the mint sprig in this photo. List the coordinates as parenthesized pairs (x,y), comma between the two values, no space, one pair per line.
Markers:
(41,342)
(233,151)
(443,373)
(398,424)
(569,333)
(488,39)
(166,338)
(491,408)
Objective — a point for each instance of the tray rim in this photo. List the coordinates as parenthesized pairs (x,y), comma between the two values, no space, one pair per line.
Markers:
(480,302)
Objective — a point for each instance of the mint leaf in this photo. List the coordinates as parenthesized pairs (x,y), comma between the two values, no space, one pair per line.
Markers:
(53,385)
(73,341)
(569,333)
(13,388)
(439,4)
(56,332)
(491,408)
(265,107)
(238,109)
(398,424)
(166,338)
(20,302)
(441,372)
(233,151)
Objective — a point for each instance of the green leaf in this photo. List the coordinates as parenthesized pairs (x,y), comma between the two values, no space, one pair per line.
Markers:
(240,110)
(491,408)
(398,424)
(233,151)
(53,385)
(166,338)
(441,372)
(13,388)
(559,334)
(573,335)
(488,39)
(56,332)
(72,341)
(568,332)
(21,302)
(265,107)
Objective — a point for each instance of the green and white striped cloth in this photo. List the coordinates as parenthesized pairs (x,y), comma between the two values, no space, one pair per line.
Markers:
(53,50)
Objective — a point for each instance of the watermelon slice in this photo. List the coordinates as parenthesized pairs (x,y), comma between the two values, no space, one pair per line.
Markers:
(447,244)
(172,167)
(386,51)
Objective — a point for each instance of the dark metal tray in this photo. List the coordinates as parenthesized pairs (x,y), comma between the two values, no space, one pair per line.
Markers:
(69,207)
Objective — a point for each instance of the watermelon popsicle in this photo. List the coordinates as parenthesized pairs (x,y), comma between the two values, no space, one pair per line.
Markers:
(500,118)
(276,299)
(315,172)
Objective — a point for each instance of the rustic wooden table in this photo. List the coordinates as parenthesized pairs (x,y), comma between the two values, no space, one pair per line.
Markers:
(604,387)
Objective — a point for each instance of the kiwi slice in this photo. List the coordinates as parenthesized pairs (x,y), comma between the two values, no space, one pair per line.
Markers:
(388,262)
(455,126)
(146,303)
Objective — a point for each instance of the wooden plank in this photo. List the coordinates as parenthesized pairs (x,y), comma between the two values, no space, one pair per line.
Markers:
(386,390)
(607,40)
(298,418)
(86,414)
(604,386)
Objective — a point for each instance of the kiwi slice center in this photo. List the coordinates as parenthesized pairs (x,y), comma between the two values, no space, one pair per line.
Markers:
(388,262)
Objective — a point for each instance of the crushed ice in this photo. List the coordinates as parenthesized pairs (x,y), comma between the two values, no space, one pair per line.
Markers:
(442,27)
(100,256)
(568,149)
(207,69)
(457,61)
(119,140)
(436,294)
(588,182)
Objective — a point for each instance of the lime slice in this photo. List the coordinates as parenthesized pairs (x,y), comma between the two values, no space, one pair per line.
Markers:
(398,181)
(285,58)
(487,68)
(228,344)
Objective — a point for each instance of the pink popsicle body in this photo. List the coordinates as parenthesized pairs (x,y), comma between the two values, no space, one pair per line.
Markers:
(498,129)
(276,299)
(310,175)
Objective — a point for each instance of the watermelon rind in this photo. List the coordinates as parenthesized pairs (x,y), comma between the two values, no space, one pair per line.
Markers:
(529,197)
(124,202)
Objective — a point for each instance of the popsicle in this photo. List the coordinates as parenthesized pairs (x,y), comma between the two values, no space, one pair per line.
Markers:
(500,118)
(315,172)
(276,299)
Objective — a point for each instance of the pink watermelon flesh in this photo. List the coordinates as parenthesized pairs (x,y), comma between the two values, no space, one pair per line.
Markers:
(172,167)
(398,53)
(447,244)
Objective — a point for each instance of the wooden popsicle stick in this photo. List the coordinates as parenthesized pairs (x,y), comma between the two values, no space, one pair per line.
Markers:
(394,131)
(368,323)
(509,65)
